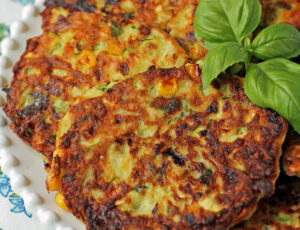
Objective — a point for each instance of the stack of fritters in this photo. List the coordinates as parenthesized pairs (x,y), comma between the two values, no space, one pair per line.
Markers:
(74,54)
(153,150)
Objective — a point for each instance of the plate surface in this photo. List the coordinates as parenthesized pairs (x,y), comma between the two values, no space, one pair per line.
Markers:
(19,161)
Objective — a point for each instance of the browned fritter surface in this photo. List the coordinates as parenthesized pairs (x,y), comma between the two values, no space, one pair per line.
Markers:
(174,17)
(273,11)
(206,183)
(291,157)
(74,54)
(281,11)
(281,211)
(135,159)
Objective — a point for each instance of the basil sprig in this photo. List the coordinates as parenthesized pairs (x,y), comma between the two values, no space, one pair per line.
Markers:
(220,58)
(225,26)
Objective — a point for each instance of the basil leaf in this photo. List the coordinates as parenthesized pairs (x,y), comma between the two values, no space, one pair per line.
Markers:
(209,45)
(247,44)
(275,84)
(211,23)
(243,16)
(220,58)
(277,41)
(219,21)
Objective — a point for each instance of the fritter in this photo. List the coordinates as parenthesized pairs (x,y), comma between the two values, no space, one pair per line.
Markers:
(174,17)
(281,11)
(73,55)
(159,151)
(281,211)
(291,157)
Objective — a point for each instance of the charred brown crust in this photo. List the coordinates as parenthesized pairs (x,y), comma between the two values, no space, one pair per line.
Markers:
(28,122)
(258,152)
(281,11)
(281,211)
(75,5)
(37,122)
(291,157)
(144,12)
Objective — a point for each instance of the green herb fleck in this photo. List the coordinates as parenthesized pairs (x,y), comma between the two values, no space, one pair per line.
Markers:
(186,105)
(147,39)
(116,30)
(53,32)
(28,70)
(127,49)
(112,180)
(53,136)
(208,171)
(266,227)
(104,89)
(128,15)
(242,130)
(140,188)
(284,218)
(83,119)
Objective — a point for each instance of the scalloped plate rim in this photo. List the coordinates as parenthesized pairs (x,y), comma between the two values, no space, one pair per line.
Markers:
(19,161)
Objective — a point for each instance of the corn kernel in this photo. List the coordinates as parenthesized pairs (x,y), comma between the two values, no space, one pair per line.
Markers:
(53,179)
(53,182)
(192,70)
(87,59)
(115,49)
(197,51)
(60,200)
(167,87)
(57,12)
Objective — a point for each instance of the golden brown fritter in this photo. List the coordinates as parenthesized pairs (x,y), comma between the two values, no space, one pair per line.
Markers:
(173,16)
(281,11)
(159,151)
(281,211)
(291,157)
(74,54)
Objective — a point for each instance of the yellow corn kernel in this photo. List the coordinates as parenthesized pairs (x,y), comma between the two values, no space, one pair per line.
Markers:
(87,59)
(197,51)
(296,151)
(167,87)
(60,200)
(193,70)
(53,182)
(115,49)
(53,179)
(57,12)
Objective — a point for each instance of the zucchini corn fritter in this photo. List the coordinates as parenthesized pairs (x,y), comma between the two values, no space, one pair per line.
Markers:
(291,158)
(281,211)
(168,14)
(73,55)
(158,151)
(174,17)
(281,11)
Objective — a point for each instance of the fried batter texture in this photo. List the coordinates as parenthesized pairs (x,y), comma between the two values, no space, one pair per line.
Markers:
(291,157)
(159,151)
(74,54)
(281,11)
(281,211)
(174,17)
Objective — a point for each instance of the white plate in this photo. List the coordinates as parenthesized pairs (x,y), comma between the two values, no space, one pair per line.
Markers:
(19,161)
